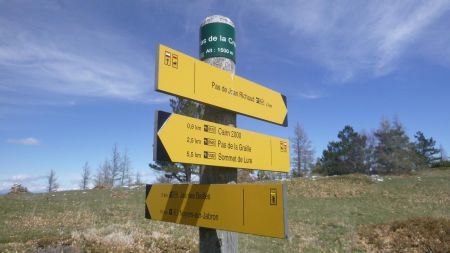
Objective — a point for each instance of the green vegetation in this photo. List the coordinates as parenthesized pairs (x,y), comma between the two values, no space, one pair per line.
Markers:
(348,155)
(329,214)
(388,150)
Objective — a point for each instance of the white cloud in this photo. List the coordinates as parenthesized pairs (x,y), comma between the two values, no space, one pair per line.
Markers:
(24,177)
(310,95)
(31,59)
(353,37)
(25,141)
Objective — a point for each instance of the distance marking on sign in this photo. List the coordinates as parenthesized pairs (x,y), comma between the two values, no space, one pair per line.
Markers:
(183,139)
(244,208)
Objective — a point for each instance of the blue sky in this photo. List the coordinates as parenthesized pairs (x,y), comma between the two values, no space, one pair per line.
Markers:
(77,76)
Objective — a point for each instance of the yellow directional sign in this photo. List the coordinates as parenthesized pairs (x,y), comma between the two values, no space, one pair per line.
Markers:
(258,209)
(188,140)
(181,75)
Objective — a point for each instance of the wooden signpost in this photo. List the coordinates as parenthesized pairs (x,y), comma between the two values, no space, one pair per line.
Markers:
(216,143)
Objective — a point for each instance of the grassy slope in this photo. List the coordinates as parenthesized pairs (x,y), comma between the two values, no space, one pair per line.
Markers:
(324,215)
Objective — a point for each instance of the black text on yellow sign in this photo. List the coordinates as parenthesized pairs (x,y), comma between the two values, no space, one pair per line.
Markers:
(181,75)
(258,209)
(183,139)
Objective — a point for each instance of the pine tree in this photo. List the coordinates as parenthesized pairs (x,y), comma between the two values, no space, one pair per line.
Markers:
(394,153)
(179,172)
(426,149)
(348,155)
(52,181)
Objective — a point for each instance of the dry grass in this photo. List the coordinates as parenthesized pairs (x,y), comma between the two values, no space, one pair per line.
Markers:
(326,187)
(422,234)
(93,221)
(113,238)
(129,238)
(333,214)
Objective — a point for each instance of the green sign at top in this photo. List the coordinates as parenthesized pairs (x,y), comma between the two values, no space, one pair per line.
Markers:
(217,40)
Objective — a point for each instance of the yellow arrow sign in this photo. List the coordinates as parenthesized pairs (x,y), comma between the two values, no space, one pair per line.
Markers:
(258,209)
(181,75)
(188,140)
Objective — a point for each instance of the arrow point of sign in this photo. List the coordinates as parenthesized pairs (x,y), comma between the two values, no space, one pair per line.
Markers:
(160,152)
(148,187)
(285,121)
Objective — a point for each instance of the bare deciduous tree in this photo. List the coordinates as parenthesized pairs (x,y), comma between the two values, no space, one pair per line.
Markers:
(125,169)
(52,184)
(138,180)
(302,151)
(114,171)
(85,176)
(103,177)
(443,153)
(115,164)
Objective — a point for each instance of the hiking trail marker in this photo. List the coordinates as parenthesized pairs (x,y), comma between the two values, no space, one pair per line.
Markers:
(217,203)
(181,75)
(184,139)
(258,209)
